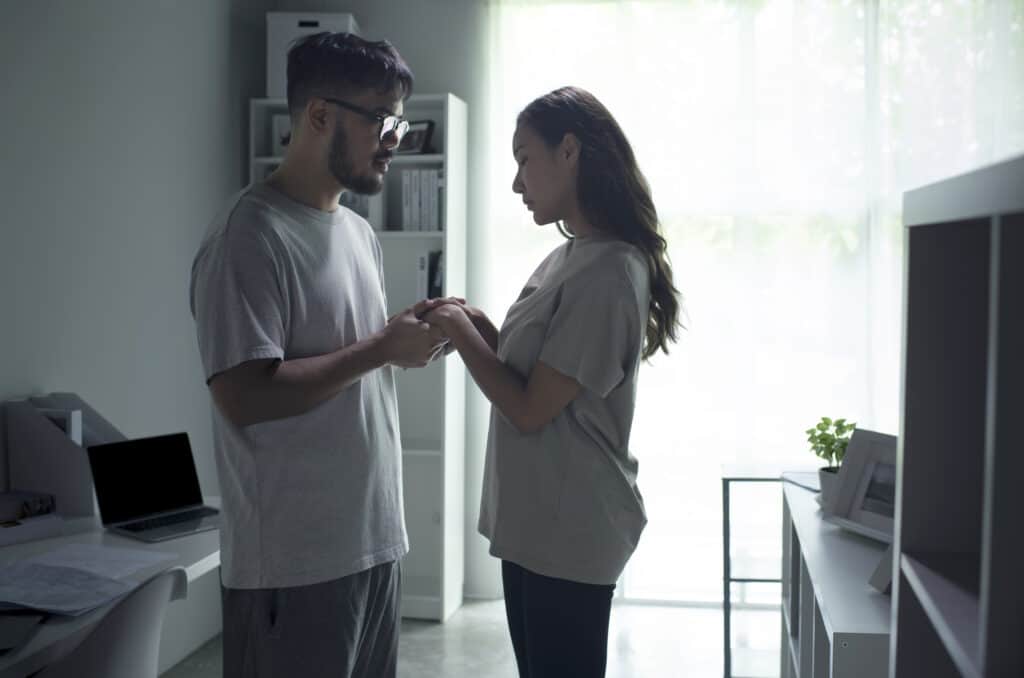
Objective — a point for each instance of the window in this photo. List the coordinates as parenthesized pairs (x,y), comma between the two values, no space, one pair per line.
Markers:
(787,133)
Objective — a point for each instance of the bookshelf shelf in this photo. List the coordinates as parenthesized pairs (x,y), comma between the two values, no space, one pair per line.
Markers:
(412,452)
(947,589)
(418,159)
(408,235)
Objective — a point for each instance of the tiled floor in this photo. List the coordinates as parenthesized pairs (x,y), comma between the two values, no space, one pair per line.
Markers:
(644,642)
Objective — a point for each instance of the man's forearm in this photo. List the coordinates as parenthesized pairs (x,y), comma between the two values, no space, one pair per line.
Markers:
(293,387)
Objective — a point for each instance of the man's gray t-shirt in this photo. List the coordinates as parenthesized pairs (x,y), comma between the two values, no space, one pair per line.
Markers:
(315,496)
(563,502)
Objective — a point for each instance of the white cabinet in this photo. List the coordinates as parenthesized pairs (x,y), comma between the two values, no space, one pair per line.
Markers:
(834,625)
(431,401)
(284,28)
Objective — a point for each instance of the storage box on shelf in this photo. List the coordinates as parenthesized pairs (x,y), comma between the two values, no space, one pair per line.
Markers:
(284,28)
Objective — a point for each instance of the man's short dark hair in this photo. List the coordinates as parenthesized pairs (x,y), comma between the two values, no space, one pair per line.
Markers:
(332,64)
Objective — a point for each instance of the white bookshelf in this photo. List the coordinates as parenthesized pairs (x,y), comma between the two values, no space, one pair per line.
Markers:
(262,158)
(431,401)
(957,587)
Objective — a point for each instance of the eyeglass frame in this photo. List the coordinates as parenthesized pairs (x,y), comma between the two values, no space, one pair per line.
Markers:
(400,122)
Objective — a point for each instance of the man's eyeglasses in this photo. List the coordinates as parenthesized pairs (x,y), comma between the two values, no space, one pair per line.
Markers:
(389,124)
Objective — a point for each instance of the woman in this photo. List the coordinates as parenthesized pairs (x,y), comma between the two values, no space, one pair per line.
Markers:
(560,503)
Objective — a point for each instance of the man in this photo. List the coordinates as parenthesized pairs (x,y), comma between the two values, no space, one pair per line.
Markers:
(287,294)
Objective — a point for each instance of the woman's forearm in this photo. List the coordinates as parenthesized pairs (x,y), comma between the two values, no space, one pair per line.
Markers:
(487,330)
(503,386)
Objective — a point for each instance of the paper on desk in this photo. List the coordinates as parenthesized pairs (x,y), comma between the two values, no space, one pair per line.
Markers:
(63,590)
(106,561)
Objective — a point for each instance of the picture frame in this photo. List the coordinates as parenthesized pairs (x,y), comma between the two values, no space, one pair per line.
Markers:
(280,134)
(417,138)
(865,500)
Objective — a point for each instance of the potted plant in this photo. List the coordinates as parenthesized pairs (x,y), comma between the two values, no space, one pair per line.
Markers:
(828,440)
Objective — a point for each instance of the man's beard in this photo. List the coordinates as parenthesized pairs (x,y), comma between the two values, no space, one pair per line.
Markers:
(341,167)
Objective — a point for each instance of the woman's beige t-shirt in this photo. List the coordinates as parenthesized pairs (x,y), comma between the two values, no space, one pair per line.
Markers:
(563,502)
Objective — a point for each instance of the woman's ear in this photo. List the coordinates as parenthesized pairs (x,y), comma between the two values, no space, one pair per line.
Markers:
(569,149)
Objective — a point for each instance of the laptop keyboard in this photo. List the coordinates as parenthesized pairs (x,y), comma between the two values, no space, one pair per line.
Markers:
(151,523)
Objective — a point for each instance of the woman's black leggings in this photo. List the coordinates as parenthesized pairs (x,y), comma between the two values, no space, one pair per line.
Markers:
(559,628)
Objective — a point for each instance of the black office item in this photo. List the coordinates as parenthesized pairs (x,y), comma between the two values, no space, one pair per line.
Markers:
(16,627)
(148,489)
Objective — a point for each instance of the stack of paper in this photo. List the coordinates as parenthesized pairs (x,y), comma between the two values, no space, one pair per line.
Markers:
(73,579)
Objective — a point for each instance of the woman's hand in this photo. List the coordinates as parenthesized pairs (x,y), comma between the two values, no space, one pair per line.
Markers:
(424,307)
(450,318)
(484,327)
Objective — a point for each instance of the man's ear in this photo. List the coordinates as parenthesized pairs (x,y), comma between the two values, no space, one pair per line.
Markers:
(318,116)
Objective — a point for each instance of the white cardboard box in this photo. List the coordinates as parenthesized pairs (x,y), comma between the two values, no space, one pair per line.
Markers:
(283,28)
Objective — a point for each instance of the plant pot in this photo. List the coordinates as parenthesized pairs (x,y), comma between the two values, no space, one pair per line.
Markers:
(828,478)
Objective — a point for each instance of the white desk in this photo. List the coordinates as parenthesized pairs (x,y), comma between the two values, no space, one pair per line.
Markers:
(199,554)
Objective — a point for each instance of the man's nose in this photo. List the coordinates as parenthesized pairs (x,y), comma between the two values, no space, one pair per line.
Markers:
(389,140)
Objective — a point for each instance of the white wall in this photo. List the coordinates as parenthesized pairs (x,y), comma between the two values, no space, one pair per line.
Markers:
(123,131)
(123,126)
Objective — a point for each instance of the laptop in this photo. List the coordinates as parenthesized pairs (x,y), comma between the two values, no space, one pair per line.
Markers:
(148,489)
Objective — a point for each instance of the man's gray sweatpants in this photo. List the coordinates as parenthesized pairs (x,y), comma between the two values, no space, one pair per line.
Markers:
(344,628)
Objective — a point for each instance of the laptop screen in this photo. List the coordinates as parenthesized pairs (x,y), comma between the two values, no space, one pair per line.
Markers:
(136,478)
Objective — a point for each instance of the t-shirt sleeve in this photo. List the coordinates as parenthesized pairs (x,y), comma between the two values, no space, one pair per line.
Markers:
(593,333)
(237,301)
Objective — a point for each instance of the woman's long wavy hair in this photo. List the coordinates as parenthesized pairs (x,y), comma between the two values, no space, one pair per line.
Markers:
(613,194)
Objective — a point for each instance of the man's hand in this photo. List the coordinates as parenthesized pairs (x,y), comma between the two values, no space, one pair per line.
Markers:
(410,342)
(446,317)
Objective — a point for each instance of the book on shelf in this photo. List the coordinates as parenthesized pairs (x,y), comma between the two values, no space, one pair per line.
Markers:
(422,275)
(435,274)
(421,199)
(433,218)
(424,183)
(406,201)
(415,212)
(430,274)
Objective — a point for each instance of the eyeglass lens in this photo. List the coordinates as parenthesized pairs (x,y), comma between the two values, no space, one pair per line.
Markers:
(394,125)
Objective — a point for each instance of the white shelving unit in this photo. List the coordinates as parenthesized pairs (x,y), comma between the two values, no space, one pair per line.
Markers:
(833,623)
(957,587)
(431,401)
(262,158)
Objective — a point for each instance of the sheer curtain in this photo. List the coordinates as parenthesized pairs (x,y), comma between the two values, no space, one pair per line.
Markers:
(777,136)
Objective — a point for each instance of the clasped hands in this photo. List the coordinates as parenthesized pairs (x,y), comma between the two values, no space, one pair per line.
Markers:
(423,332)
